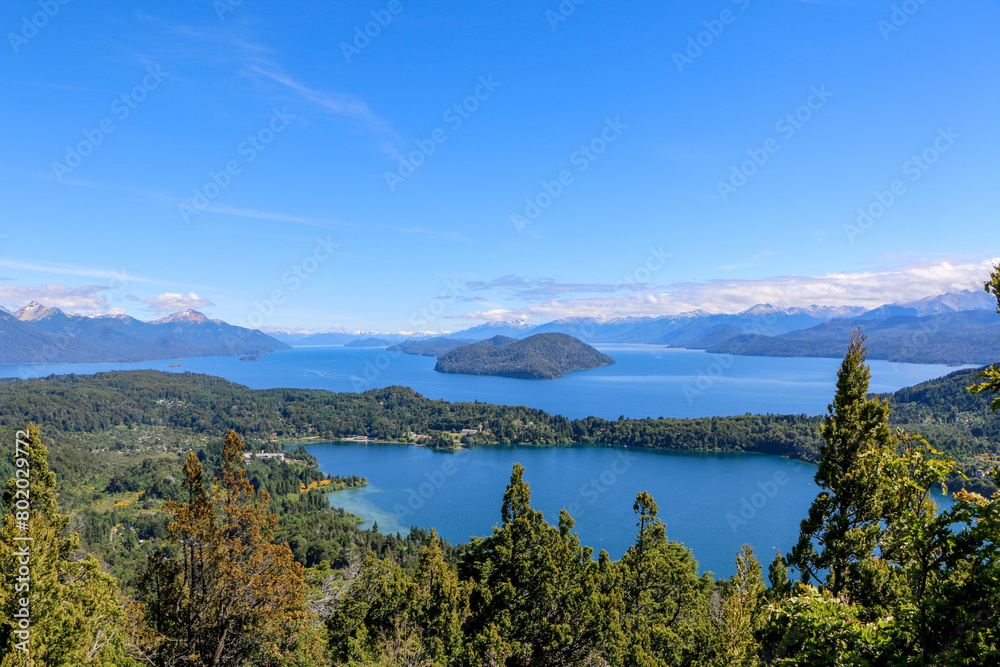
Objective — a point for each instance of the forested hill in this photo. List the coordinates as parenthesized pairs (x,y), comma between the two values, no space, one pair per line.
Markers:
(539,357)
(120,403)
(967,337)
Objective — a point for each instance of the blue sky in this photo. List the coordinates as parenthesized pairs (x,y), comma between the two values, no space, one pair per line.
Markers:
(484,161)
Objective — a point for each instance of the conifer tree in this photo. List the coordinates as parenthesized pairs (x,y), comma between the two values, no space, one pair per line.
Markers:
(855,477)
(663,601)
(740,613)
(536,598)
(232,596)
(74,614)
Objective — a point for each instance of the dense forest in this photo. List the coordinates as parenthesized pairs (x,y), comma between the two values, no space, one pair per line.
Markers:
(540,357)
(171,546)
(139,410)
(895,582)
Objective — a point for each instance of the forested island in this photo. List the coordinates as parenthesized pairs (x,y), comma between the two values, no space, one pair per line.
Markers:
(539,357)
(157,565)
(155,537)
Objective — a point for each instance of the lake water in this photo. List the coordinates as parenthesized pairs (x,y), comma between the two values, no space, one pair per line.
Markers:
(713,503)
(646,381)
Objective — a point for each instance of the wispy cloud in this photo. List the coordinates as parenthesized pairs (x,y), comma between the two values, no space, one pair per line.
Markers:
(335,103)
(541,289)
(215,207)
(70,270)
(170,302)
(870,288)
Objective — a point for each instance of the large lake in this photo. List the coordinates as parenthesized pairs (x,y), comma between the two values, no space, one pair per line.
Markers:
(646,381)
(713,503)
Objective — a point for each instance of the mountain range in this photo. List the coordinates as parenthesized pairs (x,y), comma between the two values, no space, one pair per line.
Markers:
(36,334)
(953,328)
(957,328)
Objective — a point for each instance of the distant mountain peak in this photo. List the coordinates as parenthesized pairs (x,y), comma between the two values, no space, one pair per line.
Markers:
(188,316)
(951,302)
(763,309)
(35,311)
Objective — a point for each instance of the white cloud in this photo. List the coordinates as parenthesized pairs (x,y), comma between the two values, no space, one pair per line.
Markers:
(171,302)
(84,300)
(870,289)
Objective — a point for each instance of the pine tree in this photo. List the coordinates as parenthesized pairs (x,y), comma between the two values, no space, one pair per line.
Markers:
(855,476)
(75,613)
(536,597)
(663,601)
(741,612)
(233,596)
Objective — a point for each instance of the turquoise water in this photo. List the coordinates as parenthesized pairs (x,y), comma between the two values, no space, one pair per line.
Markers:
(646,381)
(713,503)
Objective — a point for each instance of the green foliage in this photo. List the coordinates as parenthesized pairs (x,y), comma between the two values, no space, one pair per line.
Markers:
(991,383)
(539,357)
(72,611)
(231,595)
(854,475)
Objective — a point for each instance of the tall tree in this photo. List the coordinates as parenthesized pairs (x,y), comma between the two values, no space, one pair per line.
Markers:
(991,383)
(73,613)
(855,477)
(663,608)
(739,613)
(536,598)
(231,596)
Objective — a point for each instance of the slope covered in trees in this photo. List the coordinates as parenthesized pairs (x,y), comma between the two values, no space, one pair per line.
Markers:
(883,576)
(967,337)
(539,357)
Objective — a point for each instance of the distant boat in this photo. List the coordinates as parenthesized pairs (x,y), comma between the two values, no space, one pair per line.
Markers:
(174,366)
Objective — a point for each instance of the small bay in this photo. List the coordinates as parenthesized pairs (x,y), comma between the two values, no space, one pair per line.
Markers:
(713,503)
